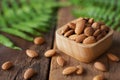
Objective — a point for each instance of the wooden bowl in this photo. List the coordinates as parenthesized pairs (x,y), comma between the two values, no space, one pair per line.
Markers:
(83,52)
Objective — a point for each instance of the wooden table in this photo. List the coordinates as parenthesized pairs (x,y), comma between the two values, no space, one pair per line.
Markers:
(47,69)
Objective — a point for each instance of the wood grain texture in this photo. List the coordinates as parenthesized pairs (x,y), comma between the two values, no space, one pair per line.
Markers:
(22,61)
(113,68)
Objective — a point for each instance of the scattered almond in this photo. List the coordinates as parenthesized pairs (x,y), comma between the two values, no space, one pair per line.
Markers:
(79,70)
(60,61)
(80,25)
(68,33)
(89,31)
(80,38)
(39,40)
(99,77)
(31,53)
(69,70)
(50,53)
(29,73)
(73,37)
(100,66)
(89,40)
(7,65)
(113,57)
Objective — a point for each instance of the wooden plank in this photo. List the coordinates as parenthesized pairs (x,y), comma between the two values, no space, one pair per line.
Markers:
(22,62)
(90,71)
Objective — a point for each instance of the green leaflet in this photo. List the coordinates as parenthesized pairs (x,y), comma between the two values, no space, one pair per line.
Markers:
(101,10)
(27,19)
(26,29)
(18,33)
(6,42)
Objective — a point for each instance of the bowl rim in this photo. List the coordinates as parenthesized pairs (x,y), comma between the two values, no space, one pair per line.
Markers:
(110,33)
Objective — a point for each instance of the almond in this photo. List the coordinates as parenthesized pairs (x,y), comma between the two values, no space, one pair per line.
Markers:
(101,23)
(64,30)
(68,33)
(103,33)
(50,53)
(7,65)
(89,31)
(113,57)
(73,37)
(79,19)
(69,70)
(87,25)
(79,70)
(104,28)
(100,36)
(91,20)
(31,53)
(96,25)
(97,32)
(99,77)
(29,73)
(72,25)
(89,40)
(60,61)
(80,25)
(39,40)
(100,66)
(80,38)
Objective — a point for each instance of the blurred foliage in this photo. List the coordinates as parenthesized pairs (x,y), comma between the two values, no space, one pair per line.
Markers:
(26,18)
(107,11)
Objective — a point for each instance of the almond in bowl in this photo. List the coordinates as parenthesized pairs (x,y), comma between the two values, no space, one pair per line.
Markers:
(91,39)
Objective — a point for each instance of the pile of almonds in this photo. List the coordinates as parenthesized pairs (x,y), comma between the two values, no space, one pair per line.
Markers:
(85,30)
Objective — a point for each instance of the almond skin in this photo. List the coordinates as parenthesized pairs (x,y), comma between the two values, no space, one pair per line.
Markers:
(79,19)
(69,70)
(39,40)
(60,61)
(68,33)
(80,25)
(72,25)
(7,65)
(89,40)
(31,53)
(80,38)
(113,57)
(96,25)
(99,77)
(91,20)
(89,31)
(104,28)
(29,73)
(97,32)
(100,66)
(64,30)
(80,70)
(73,37)
(104,33)
(50,53)
(100,36)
